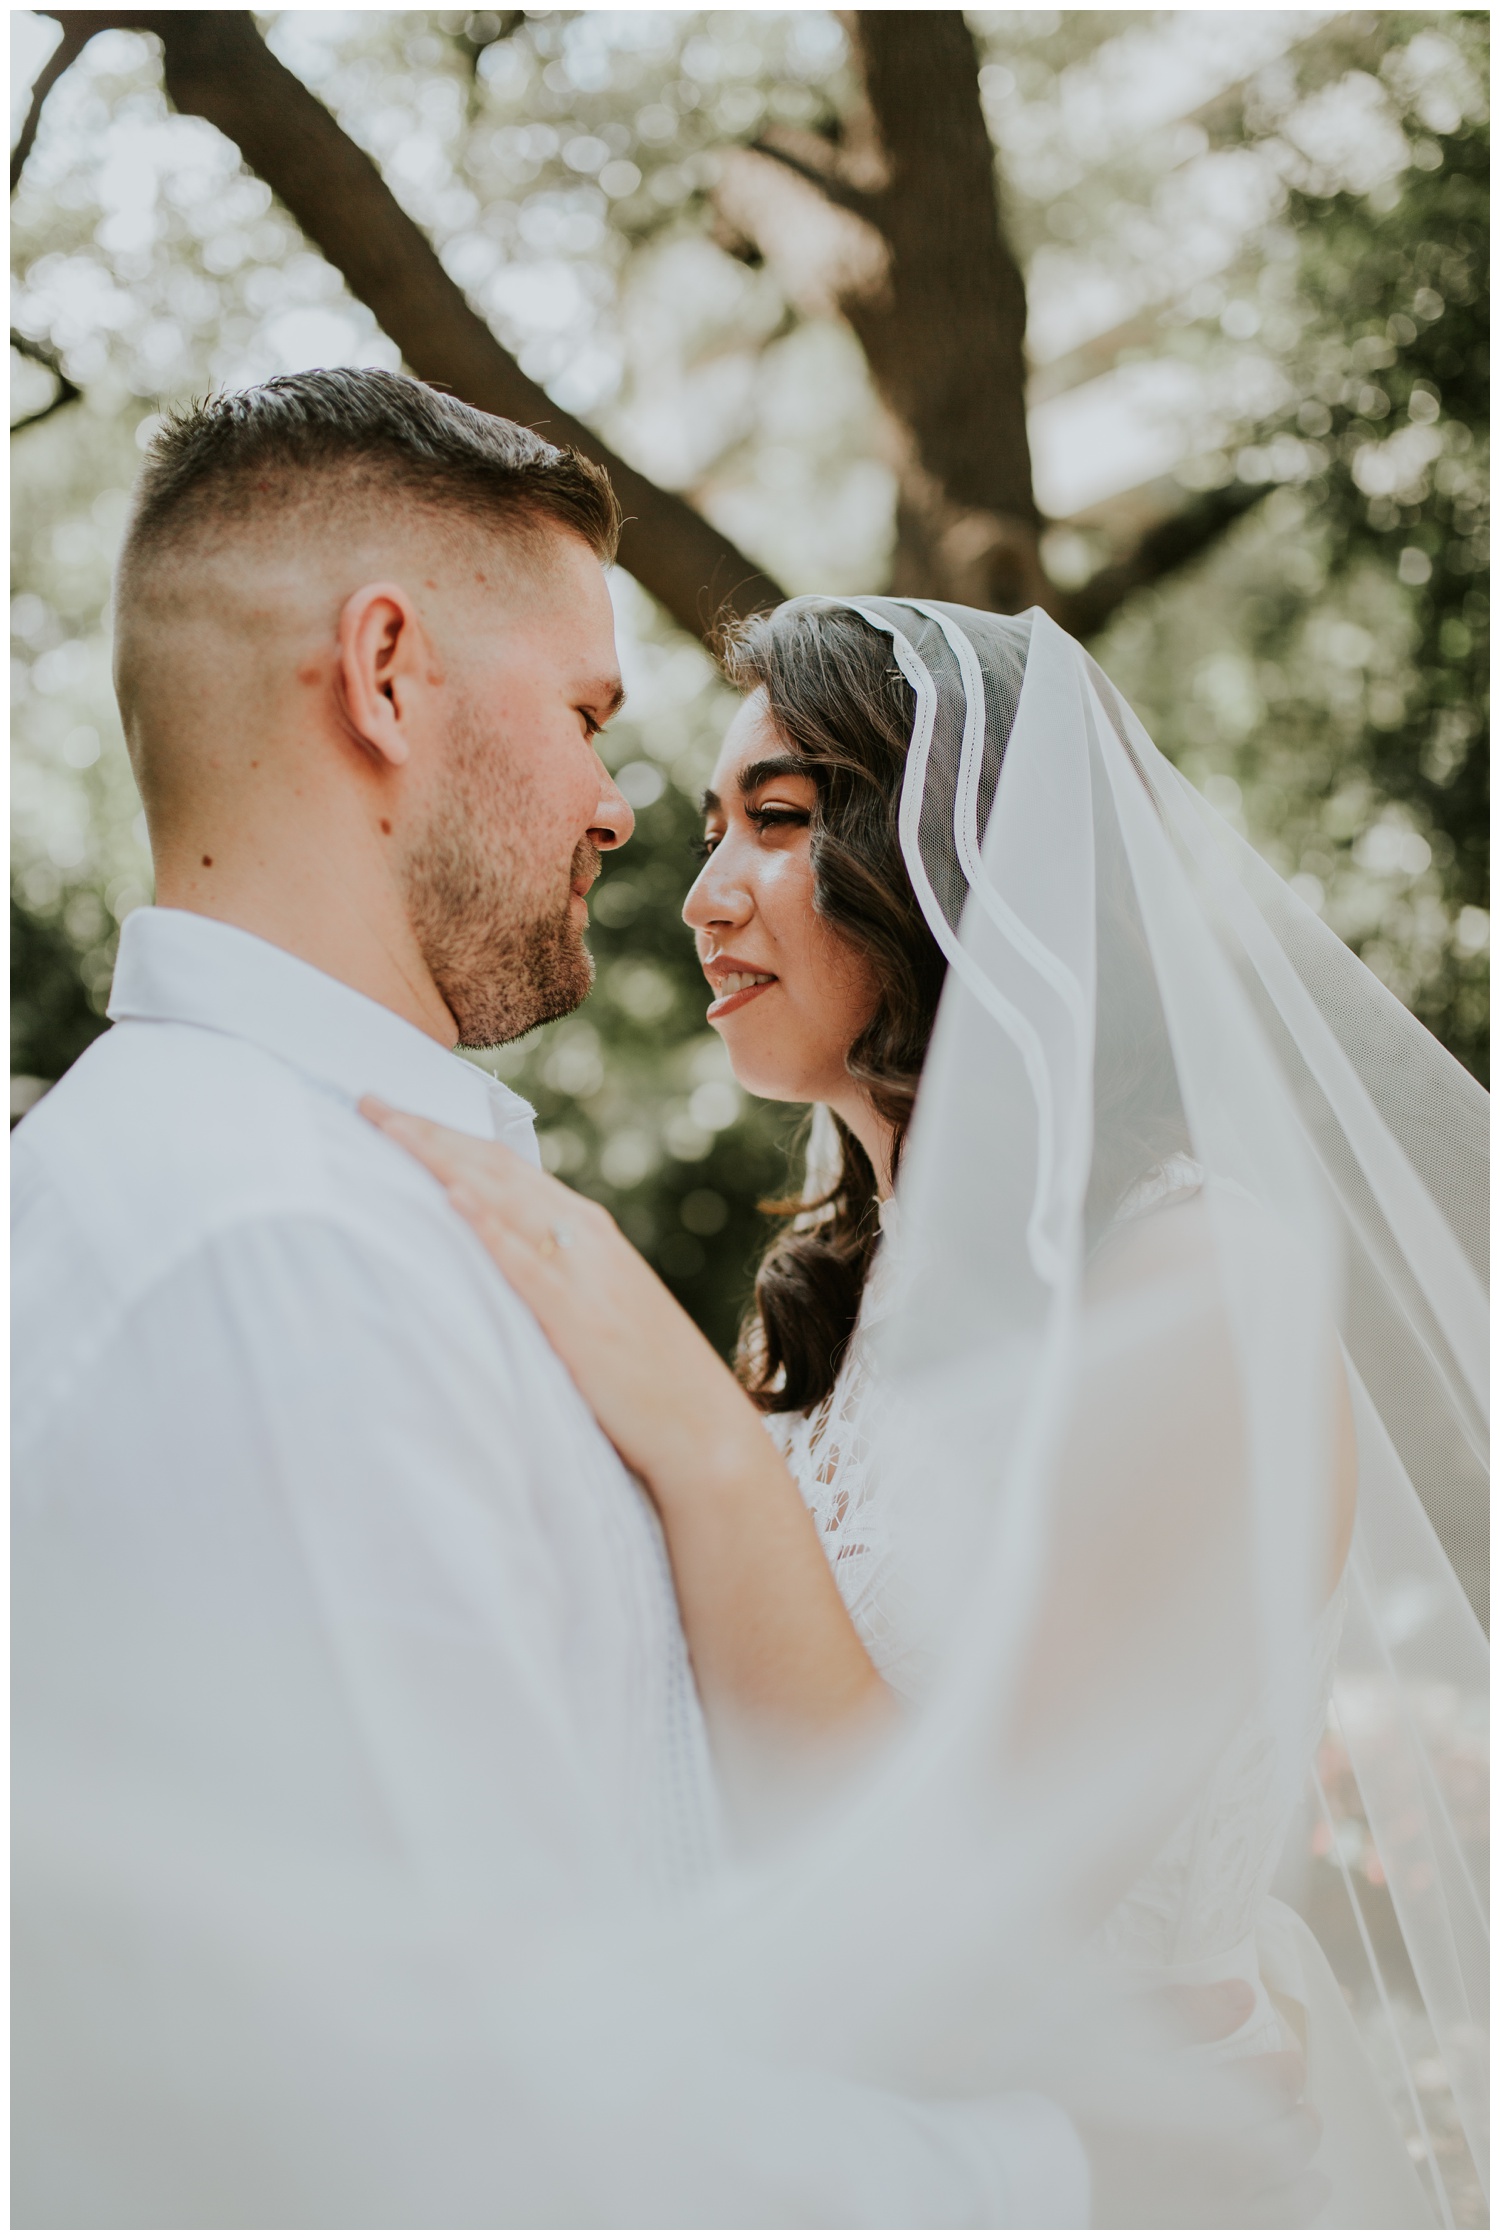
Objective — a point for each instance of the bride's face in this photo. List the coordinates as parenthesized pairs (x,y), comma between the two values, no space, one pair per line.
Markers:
(790,992)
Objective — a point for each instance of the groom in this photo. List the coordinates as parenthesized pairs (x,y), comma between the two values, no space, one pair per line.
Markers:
(357,1754)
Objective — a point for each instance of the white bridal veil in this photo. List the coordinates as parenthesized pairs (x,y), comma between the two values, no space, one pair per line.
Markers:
(1115,1442)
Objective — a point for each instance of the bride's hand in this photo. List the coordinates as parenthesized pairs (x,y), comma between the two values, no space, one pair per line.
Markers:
(660,1392)
(767,1629)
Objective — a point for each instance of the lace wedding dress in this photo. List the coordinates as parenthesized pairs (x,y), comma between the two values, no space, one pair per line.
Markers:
(1202,1912)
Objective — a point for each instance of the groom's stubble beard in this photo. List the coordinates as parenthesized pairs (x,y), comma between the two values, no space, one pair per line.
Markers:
(495,926)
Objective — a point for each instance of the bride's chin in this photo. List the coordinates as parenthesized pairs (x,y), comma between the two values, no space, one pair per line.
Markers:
(764,1065)
(765,1079)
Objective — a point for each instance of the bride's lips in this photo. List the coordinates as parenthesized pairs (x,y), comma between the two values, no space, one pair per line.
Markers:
(719,969)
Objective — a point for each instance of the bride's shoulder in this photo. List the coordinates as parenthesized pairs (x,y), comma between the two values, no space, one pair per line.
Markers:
(1175,1217)
(1160,1219)
(1175,1180)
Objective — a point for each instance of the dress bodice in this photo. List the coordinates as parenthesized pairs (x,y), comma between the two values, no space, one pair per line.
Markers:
(829,1451)
(1200,1897)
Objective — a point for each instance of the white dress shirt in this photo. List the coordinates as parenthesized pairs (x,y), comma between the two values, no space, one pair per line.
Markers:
(357,1755)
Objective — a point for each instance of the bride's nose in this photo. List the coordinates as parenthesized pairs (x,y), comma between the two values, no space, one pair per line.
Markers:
(716,898)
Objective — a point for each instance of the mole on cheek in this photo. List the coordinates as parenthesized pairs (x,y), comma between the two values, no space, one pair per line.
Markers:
(308,673)
(208,863)
(385,824)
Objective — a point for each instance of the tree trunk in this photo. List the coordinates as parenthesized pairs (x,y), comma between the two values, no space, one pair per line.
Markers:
(945,332)
(217,66)
(896,225)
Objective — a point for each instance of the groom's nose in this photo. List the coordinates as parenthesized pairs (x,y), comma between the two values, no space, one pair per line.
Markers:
(614,819)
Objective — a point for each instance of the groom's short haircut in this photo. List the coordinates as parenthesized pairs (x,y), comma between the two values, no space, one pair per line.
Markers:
(354,441)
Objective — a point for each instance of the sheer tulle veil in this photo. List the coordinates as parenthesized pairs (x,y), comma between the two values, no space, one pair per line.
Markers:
(1112,1443)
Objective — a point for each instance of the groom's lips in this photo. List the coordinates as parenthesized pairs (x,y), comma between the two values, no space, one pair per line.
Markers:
(719,969)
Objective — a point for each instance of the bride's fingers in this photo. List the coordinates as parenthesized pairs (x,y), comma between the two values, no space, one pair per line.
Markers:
(536,1269)
(516,1201)
(445,1152)
(493,1171)
(501,1195)
(517,1255)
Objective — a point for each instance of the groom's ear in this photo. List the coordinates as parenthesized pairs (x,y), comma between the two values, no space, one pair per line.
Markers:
(386,662)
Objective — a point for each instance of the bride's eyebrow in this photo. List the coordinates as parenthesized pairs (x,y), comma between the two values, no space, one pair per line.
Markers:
(756,774)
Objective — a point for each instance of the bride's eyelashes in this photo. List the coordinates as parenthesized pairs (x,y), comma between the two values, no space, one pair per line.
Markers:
(764,820)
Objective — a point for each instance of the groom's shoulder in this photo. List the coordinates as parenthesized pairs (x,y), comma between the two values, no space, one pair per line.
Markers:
(165,1134)
(186,1188)
(201,1115)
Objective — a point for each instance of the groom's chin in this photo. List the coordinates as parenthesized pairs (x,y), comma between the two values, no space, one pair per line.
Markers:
(559,975)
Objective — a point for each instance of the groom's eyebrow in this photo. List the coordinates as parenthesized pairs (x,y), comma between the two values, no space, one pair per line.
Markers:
(606,697)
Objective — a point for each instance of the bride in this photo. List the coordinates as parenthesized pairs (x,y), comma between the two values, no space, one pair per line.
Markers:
(1113,1355)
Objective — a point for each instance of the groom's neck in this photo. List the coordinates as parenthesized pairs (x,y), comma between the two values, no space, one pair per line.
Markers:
(316,885)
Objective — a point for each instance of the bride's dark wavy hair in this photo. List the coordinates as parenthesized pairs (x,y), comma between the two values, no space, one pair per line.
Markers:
(839,701)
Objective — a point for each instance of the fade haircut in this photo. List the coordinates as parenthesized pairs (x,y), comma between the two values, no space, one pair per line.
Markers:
(356,437)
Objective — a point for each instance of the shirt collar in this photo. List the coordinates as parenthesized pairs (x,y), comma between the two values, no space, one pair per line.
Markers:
(195,971)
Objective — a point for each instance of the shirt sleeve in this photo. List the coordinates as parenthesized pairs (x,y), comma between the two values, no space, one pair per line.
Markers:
(324,1915)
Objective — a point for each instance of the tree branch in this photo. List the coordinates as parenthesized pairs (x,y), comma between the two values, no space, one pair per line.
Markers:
(815,172)
(1165,547)
(217,66)
(62,57)
(40,355)
(824,256)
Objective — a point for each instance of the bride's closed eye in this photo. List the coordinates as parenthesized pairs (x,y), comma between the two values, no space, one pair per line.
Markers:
(776,814)
(764,820)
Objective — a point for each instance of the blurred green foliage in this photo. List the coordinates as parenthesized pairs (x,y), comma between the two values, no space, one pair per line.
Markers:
(1401,366)
(1324,673)
(1302,254)
(52,1019)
